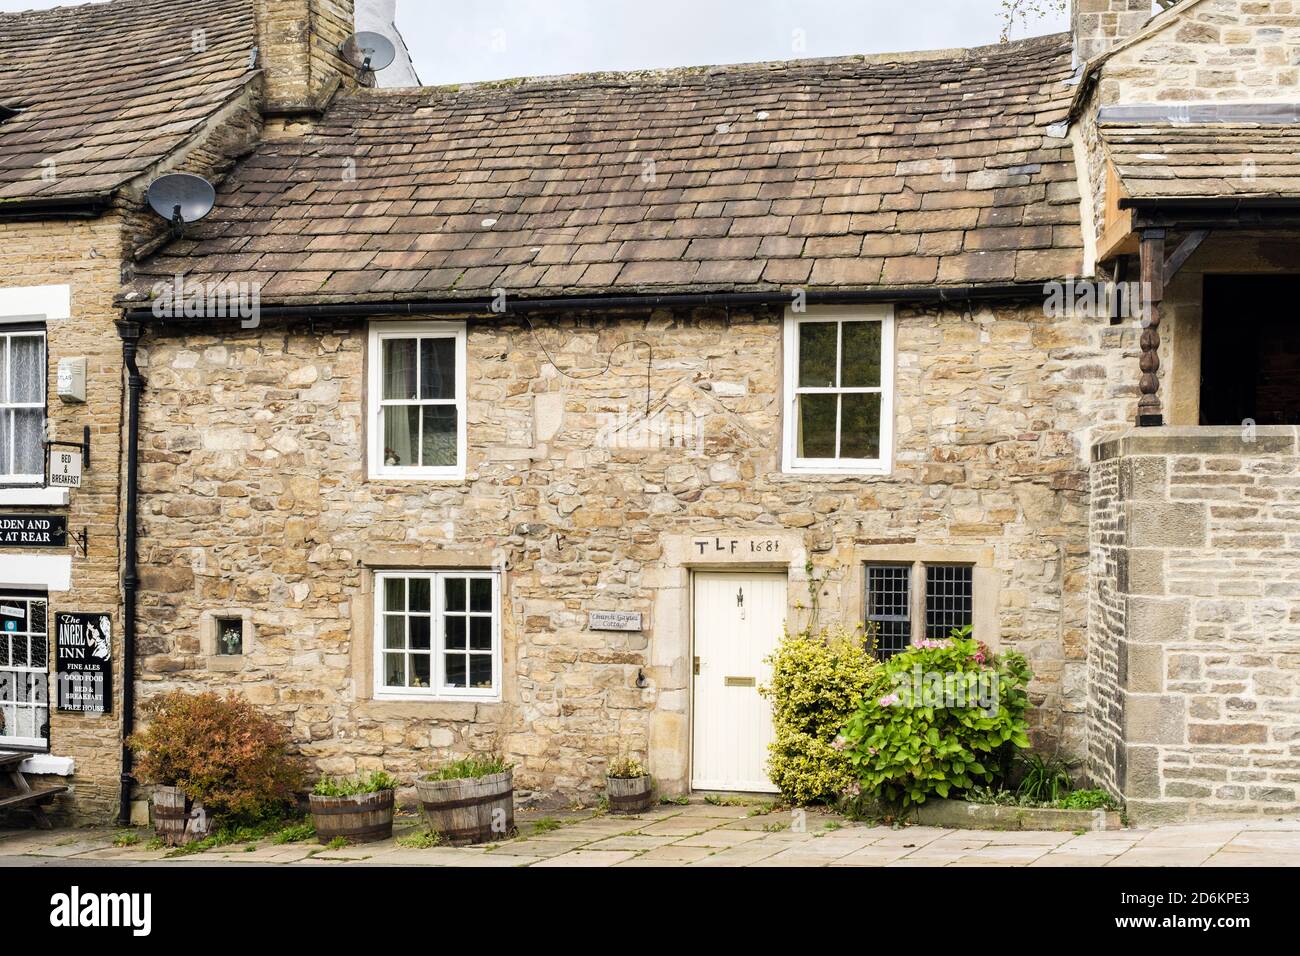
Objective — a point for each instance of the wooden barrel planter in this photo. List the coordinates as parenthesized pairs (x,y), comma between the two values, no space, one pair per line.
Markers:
(474,810)
(628,794)
(171,811)
(362,818)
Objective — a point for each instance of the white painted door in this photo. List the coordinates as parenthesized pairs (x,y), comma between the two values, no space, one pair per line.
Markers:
(738,622)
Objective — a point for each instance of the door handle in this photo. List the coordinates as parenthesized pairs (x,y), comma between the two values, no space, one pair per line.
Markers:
(697,666)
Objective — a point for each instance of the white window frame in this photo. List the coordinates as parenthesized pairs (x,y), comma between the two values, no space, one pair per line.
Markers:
(437,646)
(6,336)
(380,331)
(40,744)
(791,462)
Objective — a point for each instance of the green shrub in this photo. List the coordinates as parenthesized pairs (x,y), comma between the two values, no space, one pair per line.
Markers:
(1045,779)
(221,751)
(947,715)
(354,786)
(469,768)
(817,682)
(1076,800)
(294,833)
(420,840)
(1087,800)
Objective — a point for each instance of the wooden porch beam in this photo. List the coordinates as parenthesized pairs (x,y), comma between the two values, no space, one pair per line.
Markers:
(1117,235)
(1151,255)
(1191,242)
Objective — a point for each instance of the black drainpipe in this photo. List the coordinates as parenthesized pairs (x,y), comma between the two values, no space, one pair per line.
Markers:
(130,333)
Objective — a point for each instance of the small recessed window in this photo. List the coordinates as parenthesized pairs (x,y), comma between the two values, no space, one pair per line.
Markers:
(230,636)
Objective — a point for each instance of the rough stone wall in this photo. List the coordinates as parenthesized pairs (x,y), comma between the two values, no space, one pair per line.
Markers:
(1099,24)
(254,497)
(1229,50)
(1209,654)
(87,256)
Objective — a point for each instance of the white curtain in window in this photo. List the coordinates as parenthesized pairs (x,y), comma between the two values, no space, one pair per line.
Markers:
(22,382)
(27,368)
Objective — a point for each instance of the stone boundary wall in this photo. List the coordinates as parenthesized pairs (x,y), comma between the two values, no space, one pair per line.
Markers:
(1195,536)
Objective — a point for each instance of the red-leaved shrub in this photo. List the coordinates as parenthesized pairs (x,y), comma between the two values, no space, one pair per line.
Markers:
(221,751)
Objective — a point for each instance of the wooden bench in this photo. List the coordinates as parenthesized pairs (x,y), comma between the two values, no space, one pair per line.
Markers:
(22,796)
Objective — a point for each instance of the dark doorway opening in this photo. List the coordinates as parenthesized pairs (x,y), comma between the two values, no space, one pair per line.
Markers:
(1250,350)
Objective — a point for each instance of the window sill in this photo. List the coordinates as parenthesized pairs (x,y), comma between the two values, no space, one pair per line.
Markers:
(382,696)
(48,764)
(420,476)
(868,471)
(52,497)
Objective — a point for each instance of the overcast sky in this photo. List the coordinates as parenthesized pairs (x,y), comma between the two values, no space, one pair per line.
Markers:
(467,40)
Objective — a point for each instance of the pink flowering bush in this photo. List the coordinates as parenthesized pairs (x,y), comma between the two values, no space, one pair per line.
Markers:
(948,716)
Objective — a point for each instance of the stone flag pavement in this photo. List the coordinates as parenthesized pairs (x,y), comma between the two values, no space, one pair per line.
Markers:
(703,834)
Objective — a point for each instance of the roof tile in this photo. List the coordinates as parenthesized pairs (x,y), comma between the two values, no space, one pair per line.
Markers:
(853,172)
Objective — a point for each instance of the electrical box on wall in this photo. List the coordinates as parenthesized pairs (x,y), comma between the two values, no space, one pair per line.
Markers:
(72,379)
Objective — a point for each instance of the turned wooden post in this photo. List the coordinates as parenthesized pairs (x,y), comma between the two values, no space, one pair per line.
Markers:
(1152,255)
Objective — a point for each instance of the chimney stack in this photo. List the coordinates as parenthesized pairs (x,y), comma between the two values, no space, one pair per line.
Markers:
(1100,24)
(298,43)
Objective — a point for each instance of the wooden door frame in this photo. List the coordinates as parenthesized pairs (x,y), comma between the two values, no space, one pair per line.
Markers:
(692,571)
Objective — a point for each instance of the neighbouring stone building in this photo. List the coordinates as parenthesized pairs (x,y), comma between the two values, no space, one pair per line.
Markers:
(95,102)
(563,395)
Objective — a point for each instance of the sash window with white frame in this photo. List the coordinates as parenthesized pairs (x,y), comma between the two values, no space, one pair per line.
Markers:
(839,377)
(22,405)
(24,671)
(438,635)
(417,400)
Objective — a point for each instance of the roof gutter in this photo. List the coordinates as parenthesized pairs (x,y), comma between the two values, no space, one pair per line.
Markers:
(928,295)
(71,207)
(1212,202)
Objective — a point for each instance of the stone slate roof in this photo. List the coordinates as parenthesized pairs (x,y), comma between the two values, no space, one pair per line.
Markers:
(1205,161)
(105,91)
(911,170)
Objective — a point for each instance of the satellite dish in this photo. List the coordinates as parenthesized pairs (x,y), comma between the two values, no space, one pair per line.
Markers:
(180,198)
(368,51)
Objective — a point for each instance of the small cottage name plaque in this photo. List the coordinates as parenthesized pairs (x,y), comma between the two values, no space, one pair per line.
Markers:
(33,531)
(613,620)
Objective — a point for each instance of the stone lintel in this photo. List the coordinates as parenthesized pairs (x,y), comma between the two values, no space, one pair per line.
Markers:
(1200,440)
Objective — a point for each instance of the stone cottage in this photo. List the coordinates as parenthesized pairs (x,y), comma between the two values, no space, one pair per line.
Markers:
(95,102)
(562,396)
(566,393)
